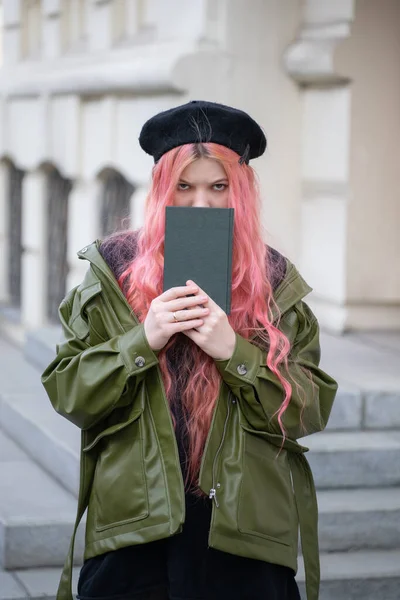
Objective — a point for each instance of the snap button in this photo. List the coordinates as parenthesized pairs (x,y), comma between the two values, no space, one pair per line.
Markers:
(242,369)
(139,361)
(84,250)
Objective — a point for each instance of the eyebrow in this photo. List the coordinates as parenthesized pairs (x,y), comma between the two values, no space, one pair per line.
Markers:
(223,180)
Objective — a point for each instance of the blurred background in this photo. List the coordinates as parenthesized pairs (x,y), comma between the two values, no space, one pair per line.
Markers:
(78,79)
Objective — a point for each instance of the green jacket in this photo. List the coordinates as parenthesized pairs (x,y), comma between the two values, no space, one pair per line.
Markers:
(106,380)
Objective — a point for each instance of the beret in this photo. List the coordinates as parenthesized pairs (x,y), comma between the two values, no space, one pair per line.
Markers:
(201,121)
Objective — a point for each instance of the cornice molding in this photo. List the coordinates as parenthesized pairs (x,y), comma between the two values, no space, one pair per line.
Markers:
(309,60)
(143,70)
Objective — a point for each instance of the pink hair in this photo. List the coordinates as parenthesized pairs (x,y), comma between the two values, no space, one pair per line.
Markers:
(252,295)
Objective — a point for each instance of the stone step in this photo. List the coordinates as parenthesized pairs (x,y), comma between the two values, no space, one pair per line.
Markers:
(27,416)
(33,584)
(363,362)
(356,459)
(347,576)
(53,442)
(355,409)
(36,513)
(359,519)
(357,576)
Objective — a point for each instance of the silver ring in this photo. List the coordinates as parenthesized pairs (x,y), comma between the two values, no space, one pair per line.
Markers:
(175,319)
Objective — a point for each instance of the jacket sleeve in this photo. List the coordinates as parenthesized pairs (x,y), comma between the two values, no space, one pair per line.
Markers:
(260,392)
(85,383)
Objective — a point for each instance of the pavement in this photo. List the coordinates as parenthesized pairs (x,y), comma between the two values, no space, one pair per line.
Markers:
(368,361)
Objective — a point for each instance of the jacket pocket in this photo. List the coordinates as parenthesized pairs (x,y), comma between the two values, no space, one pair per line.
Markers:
(266,502)
(119,494)
(91,313)
(97,329)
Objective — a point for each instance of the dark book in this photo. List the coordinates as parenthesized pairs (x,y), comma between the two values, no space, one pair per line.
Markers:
(198,246)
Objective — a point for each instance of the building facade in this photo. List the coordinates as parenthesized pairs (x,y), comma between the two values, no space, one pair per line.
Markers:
(80,77)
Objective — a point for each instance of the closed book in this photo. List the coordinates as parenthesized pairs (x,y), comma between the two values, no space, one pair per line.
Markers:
(198,246)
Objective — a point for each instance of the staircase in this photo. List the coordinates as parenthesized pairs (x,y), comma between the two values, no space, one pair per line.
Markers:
(39,454)
(356,466)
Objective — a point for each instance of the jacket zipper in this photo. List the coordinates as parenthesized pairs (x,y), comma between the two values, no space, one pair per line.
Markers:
(213,491)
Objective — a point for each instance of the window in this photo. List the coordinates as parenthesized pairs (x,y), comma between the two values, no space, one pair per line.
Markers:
(31,28)
(131,18)
(115,207)
(15,177)
(58,189)
(74,23)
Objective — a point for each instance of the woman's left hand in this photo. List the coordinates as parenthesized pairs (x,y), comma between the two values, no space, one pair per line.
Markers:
(216,336)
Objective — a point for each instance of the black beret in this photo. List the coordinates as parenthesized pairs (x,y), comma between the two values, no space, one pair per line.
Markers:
(200,121)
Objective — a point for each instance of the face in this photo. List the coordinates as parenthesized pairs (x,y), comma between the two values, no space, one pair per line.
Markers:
(203,184)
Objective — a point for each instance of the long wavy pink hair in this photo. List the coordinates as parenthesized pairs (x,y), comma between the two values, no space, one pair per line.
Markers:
(252,297)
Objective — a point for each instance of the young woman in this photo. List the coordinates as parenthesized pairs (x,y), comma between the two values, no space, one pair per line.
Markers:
(194,482)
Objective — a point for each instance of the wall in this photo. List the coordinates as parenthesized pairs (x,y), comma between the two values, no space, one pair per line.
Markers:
(370,57)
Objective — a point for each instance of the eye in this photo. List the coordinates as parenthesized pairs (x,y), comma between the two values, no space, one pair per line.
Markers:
(220,187)
(183,187)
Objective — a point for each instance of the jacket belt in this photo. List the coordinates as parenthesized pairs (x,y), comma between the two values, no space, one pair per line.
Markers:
(65,586)
(307,511)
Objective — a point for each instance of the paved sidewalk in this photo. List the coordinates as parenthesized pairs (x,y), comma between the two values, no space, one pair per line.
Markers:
(364,360)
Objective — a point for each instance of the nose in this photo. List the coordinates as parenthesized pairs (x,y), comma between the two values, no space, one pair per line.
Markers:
(201,199)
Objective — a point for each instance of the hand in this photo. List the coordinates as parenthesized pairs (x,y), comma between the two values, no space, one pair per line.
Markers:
(160,324)
(215,336)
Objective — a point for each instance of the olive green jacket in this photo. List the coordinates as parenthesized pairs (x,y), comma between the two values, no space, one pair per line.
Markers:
(106,380)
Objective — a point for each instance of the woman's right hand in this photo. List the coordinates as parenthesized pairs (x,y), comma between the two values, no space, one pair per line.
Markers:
(160,324)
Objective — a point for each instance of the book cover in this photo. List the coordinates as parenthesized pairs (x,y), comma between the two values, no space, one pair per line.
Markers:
(198,246)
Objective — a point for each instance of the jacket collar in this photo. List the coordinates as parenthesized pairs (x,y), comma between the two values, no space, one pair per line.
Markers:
(291,290)
(100,271)
(92,254)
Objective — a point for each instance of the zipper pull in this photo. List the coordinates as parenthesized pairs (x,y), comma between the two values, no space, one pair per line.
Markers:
(213,496)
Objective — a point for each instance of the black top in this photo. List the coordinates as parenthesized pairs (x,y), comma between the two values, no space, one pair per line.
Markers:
(182,567)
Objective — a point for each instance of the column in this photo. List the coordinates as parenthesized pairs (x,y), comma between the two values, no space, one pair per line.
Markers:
(325,147)
(138,200)
(34,259)
(83,226)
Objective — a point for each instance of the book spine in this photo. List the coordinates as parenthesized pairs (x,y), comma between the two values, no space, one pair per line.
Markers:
(229,265)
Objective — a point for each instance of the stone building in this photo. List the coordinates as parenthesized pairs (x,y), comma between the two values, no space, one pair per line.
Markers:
(79,78)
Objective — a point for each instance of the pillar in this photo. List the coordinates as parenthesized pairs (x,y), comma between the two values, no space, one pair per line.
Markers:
(138,200)
(34,259)
(83,226)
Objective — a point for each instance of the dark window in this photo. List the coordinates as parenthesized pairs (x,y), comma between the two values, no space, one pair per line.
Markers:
(15,234)
(115,208)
